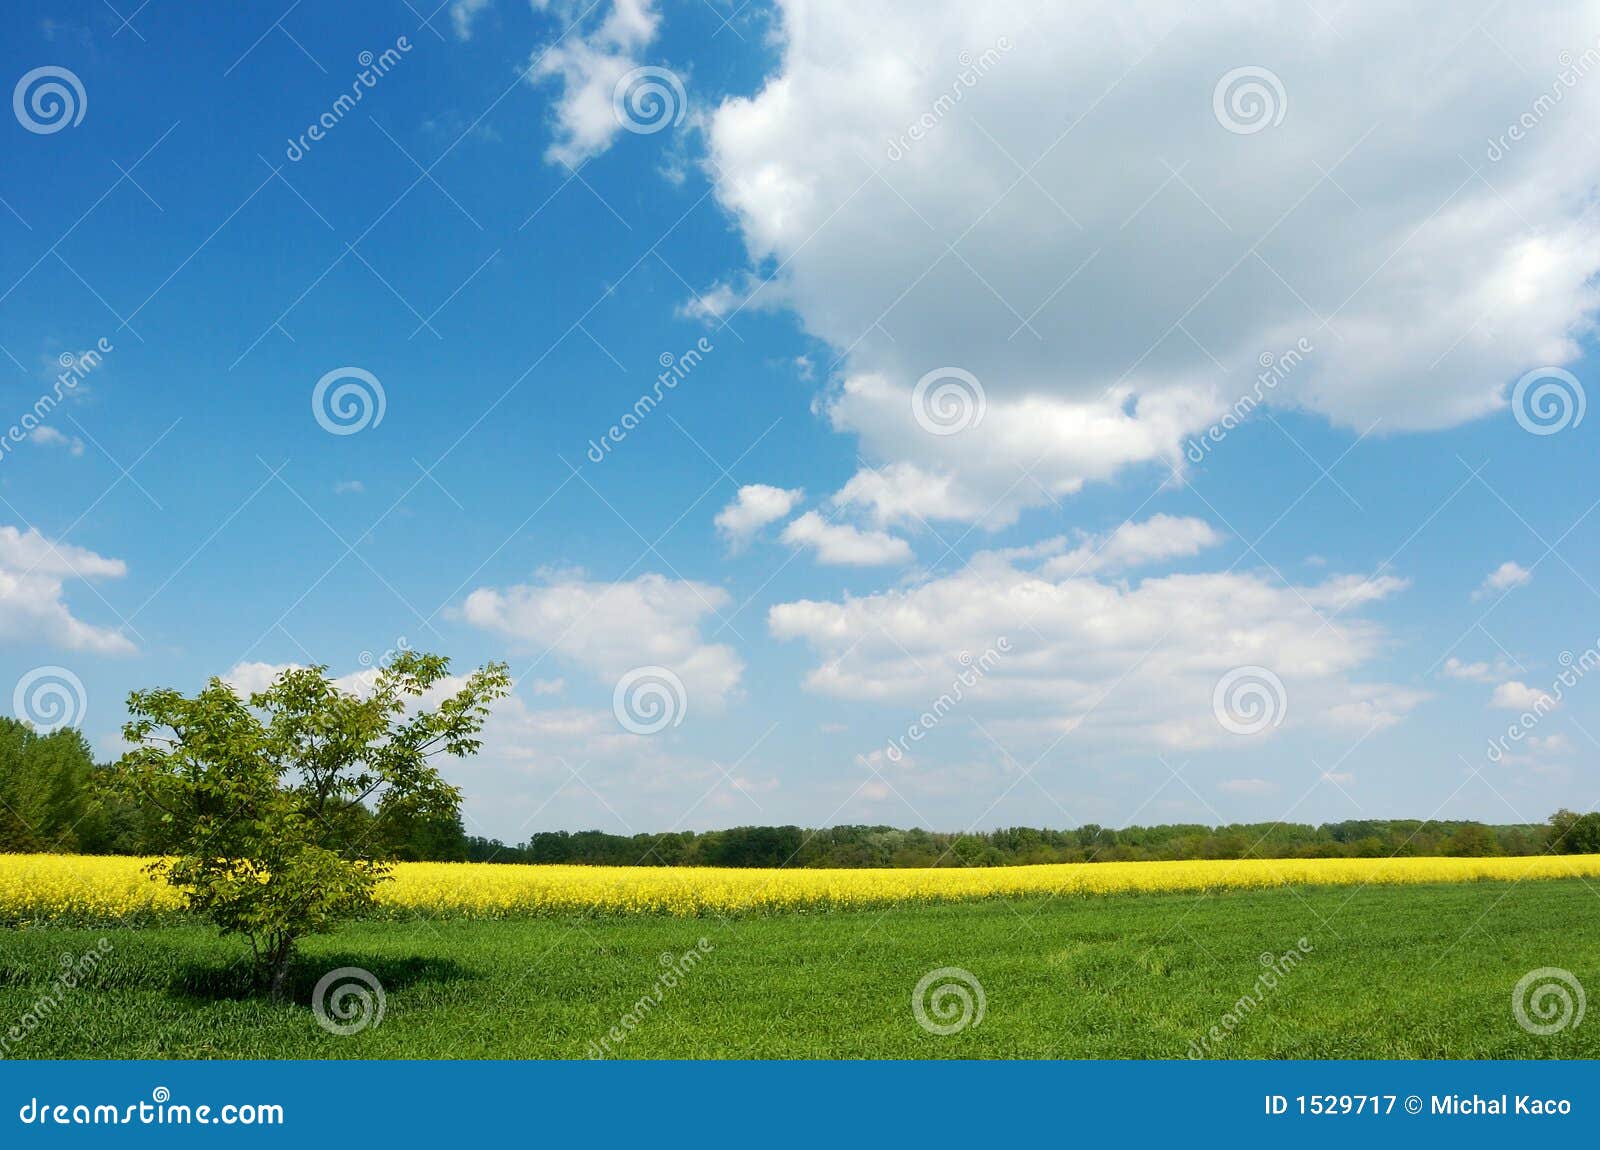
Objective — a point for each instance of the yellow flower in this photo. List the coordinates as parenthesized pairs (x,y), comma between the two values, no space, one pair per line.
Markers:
(77,887)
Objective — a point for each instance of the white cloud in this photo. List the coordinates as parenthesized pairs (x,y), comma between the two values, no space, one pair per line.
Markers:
(588,66)
(1247,786)
(1503,578)
(840,544)
(1343,778)
(903,491)
(1375,709)
(1153,540)
(1482,672)
(349,487)
(462,15)
(1518,696)
(1024,452)
(1543,755)
(713,303)
(611,628)
(33,570)
(1135,663)
(50,437)
(1037,251)
(755,506)
(248,678)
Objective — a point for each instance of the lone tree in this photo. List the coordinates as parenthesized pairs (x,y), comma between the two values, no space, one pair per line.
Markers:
(260,805)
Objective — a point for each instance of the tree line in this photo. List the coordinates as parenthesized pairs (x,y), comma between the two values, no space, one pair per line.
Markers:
(52,801)
(49,802)
(884,846)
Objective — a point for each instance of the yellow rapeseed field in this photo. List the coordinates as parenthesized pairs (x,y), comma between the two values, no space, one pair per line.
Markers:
(41,887)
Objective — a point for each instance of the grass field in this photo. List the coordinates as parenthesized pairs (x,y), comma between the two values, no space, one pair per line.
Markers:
(1416,971)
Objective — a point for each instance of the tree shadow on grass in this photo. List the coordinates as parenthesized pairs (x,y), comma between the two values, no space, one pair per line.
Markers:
(214,982)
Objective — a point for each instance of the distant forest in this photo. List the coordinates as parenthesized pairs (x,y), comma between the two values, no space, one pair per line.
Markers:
(880,846)
(49,802)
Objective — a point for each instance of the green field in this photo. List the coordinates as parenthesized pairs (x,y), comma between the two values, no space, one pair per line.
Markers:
(1392,972)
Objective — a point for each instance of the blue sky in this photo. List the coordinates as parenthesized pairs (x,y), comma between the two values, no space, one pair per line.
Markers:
(1083,241)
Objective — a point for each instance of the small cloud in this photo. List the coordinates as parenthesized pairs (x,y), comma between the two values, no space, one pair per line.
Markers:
(50,437)
(462,15)
(1342,778)
(1503,578)
(1161,537)
(1247,786)
(803,365)
(841,545)
(714,303)
(548,686)
(755,506)
(1475,672)
(723,298)
(1518,696)
(1377,711)
(349,487)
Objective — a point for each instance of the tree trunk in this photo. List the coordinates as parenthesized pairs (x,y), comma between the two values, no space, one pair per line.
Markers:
(281,958)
